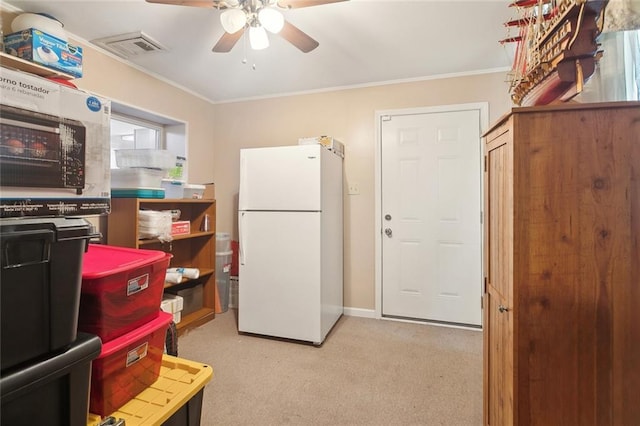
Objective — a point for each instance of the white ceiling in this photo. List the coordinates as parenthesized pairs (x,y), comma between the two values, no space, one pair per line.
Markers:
(362,42)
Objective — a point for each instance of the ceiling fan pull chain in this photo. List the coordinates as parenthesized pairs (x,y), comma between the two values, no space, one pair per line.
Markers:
(244,47)
(244,52)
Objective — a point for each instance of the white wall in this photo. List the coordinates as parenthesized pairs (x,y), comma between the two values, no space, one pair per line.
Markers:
(217,132)
(349,116)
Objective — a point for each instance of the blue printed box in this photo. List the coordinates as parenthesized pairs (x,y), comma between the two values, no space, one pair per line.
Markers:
(44,49)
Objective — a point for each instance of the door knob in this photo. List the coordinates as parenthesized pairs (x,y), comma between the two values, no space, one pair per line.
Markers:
(388,232)
(503,309)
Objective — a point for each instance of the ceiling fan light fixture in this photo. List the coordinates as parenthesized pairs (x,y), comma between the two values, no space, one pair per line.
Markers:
(233,20)
(258,38)
(271,19)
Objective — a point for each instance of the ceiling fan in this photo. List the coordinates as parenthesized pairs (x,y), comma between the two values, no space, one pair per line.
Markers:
(256,16)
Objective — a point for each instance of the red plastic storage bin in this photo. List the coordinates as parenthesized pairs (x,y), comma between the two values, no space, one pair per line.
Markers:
(127,365)
(121,289)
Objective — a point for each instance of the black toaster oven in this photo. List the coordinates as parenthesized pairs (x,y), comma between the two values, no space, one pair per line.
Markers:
(41,150)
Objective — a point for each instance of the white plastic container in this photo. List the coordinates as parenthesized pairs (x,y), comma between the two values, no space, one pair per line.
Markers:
(223,242)
(193,191)
(136,178)
(40,21)
(173,188)
(223,283)
(151,158)
(172,302)
(167,306)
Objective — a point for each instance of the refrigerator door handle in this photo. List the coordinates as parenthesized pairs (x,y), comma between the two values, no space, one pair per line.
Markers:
(242,246)
(243,185)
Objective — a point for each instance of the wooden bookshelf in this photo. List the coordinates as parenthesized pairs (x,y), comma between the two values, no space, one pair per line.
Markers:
(194,250)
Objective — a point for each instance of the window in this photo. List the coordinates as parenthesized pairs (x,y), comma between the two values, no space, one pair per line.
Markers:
(617,76)
(132,128)
(632,64)
(131,133)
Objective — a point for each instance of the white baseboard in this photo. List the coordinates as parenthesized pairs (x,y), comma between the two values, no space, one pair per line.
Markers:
(433,323)
(359,312)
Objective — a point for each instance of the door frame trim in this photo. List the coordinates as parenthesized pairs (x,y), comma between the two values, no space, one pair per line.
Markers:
(483,108)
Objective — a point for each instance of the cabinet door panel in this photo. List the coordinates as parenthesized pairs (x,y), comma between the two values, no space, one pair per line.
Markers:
(498,304)
(500,219)
(499,361)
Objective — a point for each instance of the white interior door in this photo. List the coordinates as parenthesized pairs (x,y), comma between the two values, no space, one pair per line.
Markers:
(431,244)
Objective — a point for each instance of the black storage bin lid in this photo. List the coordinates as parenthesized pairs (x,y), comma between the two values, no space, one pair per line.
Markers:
(52,391)
(20,381)
(63,228)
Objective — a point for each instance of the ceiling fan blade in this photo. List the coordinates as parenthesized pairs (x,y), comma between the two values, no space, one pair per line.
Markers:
(216,4)
(227,41)
(295,4)
(298,38)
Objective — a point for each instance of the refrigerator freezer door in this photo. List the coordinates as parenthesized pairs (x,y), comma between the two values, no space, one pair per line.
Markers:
(280,264)
(280,178)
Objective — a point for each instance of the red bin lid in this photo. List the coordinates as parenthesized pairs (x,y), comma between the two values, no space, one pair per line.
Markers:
(108,348)
(103,260)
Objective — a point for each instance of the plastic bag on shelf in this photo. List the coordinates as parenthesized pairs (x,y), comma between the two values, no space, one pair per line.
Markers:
(155,224)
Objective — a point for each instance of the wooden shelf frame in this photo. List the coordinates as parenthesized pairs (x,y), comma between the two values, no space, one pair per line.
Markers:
(196,234)
(194,250)
(195,319)
(204,273)
(10,61)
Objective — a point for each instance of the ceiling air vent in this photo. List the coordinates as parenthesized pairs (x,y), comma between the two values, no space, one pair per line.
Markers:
(130,44)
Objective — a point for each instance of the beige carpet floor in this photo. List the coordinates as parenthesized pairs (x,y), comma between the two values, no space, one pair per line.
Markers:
(367,372)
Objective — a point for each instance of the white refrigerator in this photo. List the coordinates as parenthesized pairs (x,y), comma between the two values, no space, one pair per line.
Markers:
(290,222)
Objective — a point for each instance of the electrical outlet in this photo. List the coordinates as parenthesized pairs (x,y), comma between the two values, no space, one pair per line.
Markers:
(354,188)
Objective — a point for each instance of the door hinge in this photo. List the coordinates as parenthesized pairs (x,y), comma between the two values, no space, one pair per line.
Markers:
(485,163)
(385,118)
(481,302)
(485,285)
(481,217)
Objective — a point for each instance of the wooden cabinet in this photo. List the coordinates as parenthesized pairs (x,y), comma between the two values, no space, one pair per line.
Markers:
(562,265)
(194,250)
